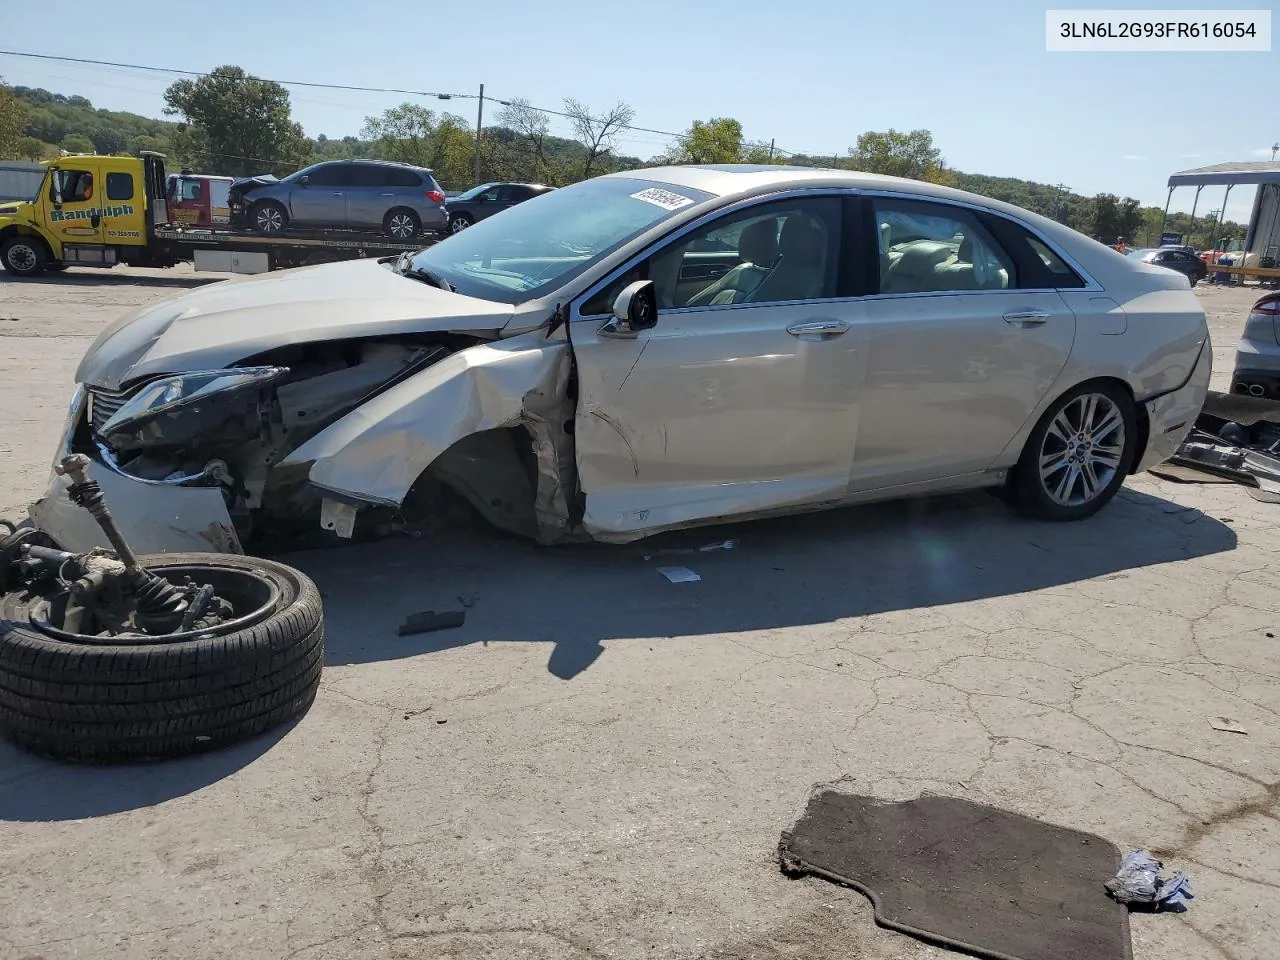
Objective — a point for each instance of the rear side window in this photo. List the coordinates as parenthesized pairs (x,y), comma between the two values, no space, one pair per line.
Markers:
(367,175)
(937,248)
(119,186)
(398,177)
(1039,267)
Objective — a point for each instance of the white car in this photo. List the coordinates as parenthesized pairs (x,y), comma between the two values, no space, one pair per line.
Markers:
(645,351)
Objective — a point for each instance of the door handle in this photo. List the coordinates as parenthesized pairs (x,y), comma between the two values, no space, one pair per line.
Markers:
(1026,318)
(818,328)
(337,194)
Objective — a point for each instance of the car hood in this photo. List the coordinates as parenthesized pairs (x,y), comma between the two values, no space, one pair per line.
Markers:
(220,324)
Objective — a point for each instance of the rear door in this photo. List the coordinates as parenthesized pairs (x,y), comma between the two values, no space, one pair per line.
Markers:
(963,339)
(369,195)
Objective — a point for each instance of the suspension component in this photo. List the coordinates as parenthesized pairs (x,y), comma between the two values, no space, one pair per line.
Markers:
(86,493)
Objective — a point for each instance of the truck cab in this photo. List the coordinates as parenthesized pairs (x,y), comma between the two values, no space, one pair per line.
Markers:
(199,200)
(91,210)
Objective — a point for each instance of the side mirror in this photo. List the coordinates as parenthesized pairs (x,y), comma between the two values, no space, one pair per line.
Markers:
(303,181)
(634,309)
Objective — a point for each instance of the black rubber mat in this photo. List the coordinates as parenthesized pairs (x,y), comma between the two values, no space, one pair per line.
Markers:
(957,873)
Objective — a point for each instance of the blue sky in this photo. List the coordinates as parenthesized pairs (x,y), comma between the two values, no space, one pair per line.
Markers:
(811,73)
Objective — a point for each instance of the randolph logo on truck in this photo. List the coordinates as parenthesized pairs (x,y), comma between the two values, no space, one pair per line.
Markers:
(123,210)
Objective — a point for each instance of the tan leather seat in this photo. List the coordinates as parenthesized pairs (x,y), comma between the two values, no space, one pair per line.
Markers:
(758,249)
(800,272)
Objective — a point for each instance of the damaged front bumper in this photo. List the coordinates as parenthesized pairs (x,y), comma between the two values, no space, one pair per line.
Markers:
(158,516)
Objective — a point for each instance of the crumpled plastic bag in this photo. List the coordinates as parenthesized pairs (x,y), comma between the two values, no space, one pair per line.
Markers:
(1138,881)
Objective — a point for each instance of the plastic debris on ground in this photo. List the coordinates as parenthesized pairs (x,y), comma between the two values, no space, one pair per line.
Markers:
(1138,883)
(428,621)
(1227,725)
(705,548)
(679,574)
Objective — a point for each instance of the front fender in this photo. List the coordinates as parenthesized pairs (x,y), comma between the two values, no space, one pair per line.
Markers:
(377,451)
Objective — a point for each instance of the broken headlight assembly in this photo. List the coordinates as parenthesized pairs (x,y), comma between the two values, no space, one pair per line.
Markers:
(179,408)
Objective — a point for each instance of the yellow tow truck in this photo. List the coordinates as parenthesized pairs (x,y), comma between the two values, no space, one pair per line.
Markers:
(94,210)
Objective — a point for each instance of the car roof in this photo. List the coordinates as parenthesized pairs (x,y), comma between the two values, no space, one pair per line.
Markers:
(380,163)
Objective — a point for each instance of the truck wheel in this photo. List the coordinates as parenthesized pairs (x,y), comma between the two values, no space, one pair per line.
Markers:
(401,223)
(268,216)
(107,702)
(24,256)
(459,222)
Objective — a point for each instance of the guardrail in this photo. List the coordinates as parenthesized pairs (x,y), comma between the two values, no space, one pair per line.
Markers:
(1256,272)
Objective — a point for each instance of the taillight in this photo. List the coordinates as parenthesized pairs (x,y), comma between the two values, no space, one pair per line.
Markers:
(1269,307)
(435,196)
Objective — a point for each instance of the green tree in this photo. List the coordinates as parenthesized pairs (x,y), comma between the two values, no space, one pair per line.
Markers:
(718,140)
(29,148)
(411,133)
(236,124)
(77,143)
(13,121)
(899,154)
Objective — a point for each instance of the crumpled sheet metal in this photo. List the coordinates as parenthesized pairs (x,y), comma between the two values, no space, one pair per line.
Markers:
(377,452)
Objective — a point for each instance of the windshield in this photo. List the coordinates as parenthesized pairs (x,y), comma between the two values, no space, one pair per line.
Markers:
(473,192)
(545,242)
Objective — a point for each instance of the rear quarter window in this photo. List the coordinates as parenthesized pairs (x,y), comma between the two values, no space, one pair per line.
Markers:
(1039,266)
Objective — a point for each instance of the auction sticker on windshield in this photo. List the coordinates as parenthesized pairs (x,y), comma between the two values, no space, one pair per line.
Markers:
(662,198)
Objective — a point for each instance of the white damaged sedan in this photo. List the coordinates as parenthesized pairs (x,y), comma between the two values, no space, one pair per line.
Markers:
(640,352)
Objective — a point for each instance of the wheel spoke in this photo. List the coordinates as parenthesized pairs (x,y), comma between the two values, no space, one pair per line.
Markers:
(1108,457)
(1062,492)
(1107,426)
(1051,463)
(1060,429)
(1091,482)
(1089,404)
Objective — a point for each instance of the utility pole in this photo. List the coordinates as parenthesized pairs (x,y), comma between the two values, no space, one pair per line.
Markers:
(479,127)
(1274,148)
(774,140)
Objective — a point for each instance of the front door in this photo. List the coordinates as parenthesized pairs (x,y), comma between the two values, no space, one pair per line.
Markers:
(74,200)
(322,200)
(961,345)
(742,397)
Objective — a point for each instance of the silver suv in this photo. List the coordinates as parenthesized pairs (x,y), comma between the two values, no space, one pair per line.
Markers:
(395,198)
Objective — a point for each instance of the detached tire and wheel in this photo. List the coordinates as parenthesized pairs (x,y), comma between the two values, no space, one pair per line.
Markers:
(268,216)
(1078,455)
(24,256)
(459,222)
(115,701)
(401,223)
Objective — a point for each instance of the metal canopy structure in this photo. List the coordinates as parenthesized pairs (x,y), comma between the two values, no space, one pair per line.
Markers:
(1261,173)
(1228,174)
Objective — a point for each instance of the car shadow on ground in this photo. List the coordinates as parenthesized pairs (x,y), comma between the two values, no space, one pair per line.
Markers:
(781,573)
(33,789)
(106,278)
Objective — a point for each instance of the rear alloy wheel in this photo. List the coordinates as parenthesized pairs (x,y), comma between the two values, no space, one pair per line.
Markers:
(402,224)
(269,217)
(1077,456)
(23,256)
(459,222)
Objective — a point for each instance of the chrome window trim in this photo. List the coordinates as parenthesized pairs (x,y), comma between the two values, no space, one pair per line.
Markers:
(730,208)
(1090,284)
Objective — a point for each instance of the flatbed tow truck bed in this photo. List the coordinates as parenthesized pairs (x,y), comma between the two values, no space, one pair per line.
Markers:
(242,251)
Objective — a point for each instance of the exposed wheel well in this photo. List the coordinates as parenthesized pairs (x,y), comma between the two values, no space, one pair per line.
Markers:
(15,231)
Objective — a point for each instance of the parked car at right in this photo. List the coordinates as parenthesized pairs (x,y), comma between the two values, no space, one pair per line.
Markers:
(1257,370)
(398,199)
(1177,258)
(487,199)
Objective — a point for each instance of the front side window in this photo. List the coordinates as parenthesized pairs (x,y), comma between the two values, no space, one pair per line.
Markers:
(71,186)
(781,251)
(328,176)
(119,186)
(936,248)
(534,248)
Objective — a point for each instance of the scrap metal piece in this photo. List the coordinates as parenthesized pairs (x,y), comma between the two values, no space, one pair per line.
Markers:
(429,621)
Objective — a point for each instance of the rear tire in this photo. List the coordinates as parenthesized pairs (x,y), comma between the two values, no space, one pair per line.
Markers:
(401,223)
(24,256)
(268,216)
(1078,455)
(105,703)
